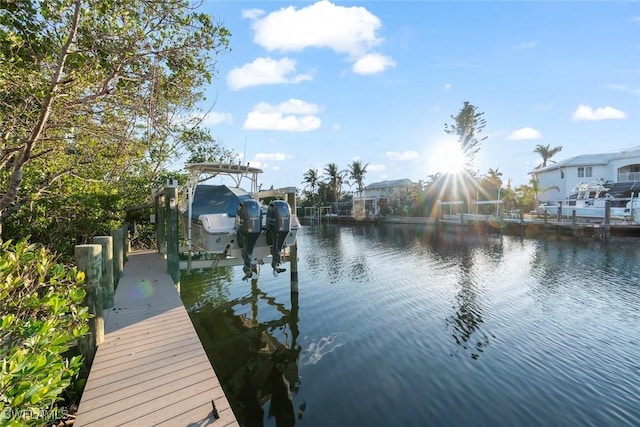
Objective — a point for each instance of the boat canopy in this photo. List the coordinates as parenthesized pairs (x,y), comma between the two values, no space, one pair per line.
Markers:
(216,199)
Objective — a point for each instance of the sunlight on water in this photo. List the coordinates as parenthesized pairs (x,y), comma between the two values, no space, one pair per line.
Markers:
(316,350)
(400,325)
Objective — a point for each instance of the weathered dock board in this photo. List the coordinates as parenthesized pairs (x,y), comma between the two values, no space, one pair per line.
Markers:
(151,369)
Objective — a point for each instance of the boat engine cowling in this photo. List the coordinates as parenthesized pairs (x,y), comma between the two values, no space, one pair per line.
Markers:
(249,227)
(278,227)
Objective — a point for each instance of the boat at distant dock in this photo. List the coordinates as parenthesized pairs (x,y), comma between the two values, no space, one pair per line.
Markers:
(590,200)
(231,222)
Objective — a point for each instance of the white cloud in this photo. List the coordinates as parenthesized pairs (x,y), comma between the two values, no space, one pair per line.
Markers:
(349,30)
(524,133)
(252,13)
(375,168)
(265,71)
(336,127)
(406,155)
(271,156)
(447,87)
(585,112)
(345,30)
(372,63)
(293,115)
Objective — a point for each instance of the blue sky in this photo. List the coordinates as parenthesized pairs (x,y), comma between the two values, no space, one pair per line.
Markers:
(310,83)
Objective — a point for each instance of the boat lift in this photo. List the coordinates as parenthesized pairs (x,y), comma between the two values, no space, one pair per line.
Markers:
(237,172)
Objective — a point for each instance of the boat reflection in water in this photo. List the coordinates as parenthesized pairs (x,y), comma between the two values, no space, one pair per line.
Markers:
(256,361)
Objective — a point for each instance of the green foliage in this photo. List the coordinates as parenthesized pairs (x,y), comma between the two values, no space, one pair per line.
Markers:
(334,179)
(41,316)
(357,171)
(95,97)
(78,211)
(467,126)
(546,152)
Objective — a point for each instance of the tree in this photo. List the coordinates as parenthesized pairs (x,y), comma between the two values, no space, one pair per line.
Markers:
(494,176)
(92,92)
(534,185)
(357,173)
(546,152)
(311,179)
(467,126)
(202,148)
(334,179)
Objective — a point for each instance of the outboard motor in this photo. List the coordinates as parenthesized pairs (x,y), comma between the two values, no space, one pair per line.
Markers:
(249,226)
(278,227)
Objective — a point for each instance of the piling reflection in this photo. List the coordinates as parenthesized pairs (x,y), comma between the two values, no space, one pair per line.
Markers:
(256,360)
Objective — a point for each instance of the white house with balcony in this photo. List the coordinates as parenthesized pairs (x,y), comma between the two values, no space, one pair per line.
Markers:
(621,166)
(367,203)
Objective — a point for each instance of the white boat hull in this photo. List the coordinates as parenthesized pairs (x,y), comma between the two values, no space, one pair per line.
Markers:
(216,234)
(616,214)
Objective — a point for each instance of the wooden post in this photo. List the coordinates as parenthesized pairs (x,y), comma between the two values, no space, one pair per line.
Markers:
(160,224)
(293,250)
(118,259)
(559,211)
(125,243)
(107,269)
(89,259)
(607,219)
(171,205)
(574,220)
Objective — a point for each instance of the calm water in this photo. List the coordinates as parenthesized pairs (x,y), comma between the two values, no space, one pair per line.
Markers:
(399,326)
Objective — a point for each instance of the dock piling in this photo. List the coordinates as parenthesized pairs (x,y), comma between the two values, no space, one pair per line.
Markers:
(118,256)
(173,260)
(106,242)
(160,223)
(89,260)
(293,250)
(125,242)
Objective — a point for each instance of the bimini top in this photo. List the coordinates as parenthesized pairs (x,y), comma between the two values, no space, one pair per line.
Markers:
(235,171)
(216,199)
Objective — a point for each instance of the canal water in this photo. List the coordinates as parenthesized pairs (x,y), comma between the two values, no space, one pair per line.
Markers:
(398,325)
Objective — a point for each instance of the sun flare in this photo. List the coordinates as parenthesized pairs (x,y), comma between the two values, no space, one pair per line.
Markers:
(449,158)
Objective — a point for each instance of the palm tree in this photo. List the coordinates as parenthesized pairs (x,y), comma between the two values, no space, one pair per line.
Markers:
(335,179)
(546,152)
(311,179)
(535,188)
(357,173)
(494,176)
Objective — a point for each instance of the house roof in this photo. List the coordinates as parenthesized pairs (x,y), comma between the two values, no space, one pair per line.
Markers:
(591,159)
(393,183)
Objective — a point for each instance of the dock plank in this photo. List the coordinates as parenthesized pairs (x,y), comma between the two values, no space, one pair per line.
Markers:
(151,369)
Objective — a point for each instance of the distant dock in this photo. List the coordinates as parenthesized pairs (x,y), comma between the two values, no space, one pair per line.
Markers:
(151,369)
(528,226)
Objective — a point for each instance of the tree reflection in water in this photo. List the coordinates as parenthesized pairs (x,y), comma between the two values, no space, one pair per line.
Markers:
(253,366)
(466,323)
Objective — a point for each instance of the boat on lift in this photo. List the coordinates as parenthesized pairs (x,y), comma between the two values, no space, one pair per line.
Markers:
(589,201)
(231,223)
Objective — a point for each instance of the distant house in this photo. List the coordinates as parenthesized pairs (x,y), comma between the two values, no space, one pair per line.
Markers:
(621,166)
(367,204)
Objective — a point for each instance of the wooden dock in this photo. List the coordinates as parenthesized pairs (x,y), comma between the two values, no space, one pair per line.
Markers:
(151,369)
